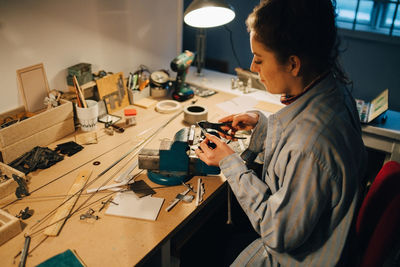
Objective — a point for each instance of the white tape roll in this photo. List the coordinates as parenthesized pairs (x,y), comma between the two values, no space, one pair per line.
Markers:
(193,114)
(168,106)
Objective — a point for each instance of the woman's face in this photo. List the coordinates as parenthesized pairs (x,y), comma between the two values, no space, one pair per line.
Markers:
(274,76)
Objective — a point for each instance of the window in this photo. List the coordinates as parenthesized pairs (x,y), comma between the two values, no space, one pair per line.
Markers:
(380,16)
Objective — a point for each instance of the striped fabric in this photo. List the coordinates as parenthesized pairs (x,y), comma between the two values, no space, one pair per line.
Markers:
(314,157)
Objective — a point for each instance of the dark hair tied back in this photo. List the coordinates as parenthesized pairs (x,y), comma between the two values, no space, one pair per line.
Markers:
(305,28)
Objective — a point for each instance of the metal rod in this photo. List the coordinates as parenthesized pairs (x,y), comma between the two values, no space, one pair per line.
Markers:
(25,250)
(355,15)
(394,18)
(201,50)
(142,143)
(229,215)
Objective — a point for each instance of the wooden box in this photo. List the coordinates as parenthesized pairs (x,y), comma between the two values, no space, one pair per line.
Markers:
(10,226)
(39,130)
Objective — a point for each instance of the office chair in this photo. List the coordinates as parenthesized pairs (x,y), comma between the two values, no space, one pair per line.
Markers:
(378,220)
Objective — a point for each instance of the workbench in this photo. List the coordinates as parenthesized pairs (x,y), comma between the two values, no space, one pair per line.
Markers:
(111,240)
(119,241)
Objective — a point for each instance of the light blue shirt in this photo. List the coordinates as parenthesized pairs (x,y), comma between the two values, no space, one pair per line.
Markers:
(314,159)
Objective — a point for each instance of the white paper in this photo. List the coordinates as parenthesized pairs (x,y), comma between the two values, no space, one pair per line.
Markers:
(238,104)
(130,206)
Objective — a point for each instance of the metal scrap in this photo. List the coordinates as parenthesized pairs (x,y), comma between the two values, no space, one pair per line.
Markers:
(37,158)
(89,215)
(22,189)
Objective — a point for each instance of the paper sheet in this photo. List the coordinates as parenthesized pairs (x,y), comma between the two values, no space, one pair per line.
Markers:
(130,206)
(242,104)
(238,104)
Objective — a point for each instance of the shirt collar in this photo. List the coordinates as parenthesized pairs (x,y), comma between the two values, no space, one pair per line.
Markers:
(287,113)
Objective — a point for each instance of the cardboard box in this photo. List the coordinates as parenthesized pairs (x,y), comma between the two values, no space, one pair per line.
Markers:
(39,130)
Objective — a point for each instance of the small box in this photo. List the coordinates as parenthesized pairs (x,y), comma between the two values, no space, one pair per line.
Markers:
(130,116)
(39,130)
(135,95)
(82,71)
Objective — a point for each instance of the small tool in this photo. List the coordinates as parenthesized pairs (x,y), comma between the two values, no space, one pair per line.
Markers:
(188,186)
(24,214)
(22,189)
(200,192)
(117,128)
(217,126)
(105,203)
(181,64)
(89,214)
(210,144)
(178,198)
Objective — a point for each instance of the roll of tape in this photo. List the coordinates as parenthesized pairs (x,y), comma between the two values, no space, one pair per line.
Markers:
(168,106)
(158,92)
(194,113)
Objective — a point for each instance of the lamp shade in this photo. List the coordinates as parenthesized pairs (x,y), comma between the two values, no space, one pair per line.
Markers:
(208,13)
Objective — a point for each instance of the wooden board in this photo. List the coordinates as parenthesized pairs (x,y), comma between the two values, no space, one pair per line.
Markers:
(58,220)
(33,86)
(113,91)
(145,102)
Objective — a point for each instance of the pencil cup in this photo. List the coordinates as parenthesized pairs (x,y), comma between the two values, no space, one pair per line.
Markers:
(87,117)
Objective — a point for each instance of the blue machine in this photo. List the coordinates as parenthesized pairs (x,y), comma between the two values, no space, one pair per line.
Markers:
(173,163)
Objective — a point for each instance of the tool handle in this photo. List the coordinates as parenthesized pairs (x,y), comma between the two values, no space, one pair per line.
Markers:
(24,253)
(172,204)
(117,128)
(176,200)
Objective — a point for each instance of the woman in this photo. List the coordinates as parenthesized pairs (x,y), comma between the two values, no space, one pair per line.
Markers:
(303,202)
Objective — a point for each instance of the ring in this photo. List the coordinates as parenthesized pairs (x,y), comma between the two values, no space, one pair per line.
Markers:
(168,106)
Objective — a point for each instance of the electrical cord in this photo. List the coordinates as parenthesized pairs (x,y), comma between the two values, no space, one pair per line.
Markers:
(232,46)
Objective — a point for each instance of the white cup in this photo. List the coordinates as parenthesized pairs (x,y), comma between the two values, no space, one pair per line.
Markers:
(87,117)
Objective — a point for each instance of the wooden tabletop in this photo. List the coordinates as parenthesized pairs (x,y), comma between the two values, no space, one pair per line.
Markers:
(111,240)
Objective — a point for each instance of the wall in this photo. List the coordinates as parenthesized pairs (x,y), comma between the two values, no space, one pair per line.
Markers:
(115,36)
(373,65)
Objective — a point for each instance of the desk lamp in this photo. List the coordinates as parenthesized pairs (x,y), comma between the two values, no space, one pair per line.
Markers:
(203,14)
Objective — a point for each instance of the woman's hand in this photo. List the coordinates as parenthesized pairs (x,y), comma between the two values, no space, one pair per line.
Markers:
(242,121)
(212,156)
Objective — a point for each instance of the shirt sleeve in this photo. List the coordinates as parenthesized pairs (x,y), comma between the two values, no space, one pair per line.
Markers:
(286,218)
(258,136)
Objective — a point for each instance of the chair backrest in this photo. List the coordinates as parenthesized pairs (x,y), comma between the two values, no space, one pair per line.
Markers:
(378,219)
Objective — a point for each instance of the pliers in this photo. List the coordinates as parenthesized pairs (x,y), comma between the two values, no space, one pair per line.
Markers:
(217,126)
